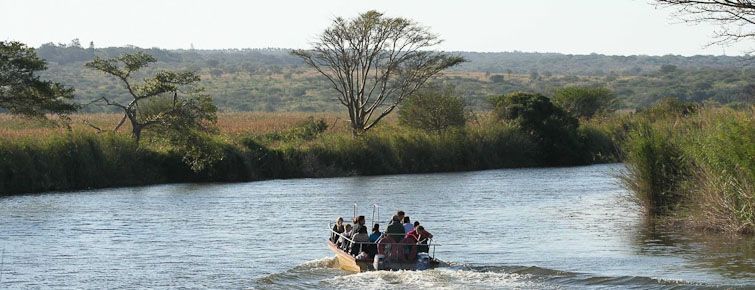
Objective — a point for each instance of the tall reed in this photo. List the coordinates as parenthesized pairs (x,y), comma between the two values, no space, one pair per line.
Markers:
(698,167)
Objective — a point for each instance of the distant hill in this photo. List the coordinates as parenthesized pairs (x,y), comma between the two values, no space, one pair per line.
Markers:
(592,64)
(274,80)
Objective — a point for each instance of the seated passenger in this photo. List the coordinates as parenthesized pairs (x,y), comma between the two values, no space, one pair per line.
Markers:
(358,223)
(395,230)
(416,224)
(343,242)
(376,234)
(337,229)
(407,224)
(421,236)
(360,240)
(374,237)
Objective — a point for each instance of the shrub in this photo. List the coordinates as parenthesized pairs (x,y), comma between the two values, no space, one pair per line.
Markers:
(584,102)
(667,108)
(433,109)
(598,145)
(552,128)
(305,130)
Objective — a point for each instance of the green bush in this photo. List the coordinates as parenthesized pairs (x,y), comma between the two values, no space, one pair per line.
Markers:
(667,108)
(598,145)
(433,109)
(584,102)
(554,131)
(306,130)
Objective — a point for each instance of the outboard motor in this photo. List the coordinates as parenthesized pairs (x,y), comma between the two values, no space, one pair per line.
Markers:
(423,261)
(379,262)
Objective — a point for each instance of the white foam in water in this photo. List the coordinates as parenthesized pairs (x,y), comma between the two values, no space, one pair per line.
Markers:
(432,279)
(327,262)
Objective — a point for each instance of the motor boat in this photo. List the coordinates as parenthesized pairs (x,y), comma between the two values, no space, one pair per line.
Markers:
(384,254)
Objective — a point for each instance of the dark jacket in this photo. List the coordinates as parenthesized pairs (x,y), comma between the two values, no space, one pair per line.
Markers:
(396,231)
(334,235)
(355,229)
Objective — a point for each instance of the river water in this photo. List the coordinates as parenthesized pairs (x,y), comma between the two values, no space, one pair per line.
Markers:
(557,228)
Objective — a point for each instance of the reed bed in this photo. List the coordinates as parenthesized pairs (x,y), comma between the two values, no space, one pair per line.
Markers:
(696,167)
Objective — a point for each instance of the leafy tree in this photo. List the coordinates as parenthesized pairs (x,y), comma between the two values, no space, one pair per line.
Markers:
(21,90)
(158,101)
(374,62)
(551,127)
(584,102)
(433,108)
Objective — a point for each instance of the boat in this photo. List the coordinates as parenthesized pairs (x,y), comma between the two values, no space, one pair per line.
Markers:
(385,254)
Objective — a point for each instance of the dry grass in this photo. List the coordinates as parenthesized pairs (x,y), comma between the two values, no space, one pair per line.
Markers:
(234,124)
(13,127)
(230,124)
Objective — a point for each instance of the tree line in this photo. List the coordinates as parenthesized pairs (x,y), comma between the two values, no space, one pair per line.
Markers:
(274,80)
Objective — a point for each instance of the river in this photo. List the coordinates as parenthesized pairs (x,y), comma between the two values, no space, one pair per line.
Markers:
(547,228)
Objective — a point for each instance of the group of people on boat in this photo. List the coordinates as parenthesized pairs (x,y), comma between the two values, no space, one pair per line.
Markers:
(402,239)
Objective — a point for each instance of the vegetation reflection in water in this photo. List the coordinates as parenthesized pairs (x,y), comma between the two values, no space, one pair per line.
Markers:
(729,254)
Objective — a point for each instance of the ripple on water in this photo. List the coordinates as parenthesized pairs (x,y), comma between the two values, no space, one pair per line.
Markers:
(261,234)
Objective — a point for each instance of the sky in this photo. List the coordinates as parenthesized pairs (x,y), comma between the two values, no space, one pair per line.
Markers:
(613,27)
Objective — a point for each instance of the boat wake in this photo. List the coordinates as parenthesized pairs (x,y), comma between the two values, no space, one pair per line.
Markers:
(324,274)
(439,278)
(303,276)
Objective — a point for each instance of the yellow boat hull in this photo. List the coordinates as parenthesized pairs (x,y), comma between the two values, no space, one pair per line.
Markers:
(347,262)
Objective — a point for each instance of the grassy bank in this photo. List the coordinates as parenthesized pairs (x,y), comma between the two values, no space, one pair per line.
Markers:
(36,156)
(694,165)
(75,161)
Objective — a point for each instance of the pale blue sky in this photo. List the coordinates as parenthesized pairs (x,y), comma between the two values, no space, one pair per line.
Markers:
(566,26)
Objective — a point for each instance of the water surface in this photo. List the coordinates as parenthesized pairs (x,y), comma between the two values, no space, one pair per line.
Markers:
(514,228)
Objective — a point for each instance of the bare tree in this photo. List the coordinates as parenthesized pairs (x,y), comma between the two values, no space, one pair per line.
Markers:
(161,105)
(735,18)
(374,62)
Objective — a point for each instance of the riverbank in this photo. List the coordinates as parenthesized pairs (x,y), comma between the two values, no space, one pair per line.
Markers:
(288,145)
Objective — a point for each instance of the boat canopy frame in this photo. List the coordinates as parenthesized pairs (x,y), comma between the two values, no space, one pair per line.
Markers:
(376,212)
